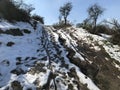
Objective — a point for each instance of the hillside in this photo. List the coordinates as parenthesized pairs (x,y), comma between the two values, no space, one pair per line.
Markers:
(38,57)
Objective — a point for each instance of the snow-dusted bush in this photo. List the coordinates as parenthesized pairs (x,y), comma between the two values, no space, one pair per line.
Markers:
(38,18)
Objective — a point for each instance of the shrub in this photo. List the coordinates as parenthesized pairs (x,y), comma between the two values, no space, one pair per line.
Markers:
(62,25)
(87,27)
(115,39)
(86,24)
(11,12)
(38,18)
(103,29)
(115,28)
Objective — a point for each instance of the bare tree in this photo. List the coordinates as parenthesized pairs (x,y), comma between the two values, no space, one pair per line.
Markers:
(65,11)
(94,12)
(115,23)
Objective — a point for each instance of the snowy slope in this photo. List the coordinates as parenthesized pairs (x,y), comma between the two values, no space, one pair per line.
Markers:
(20,53)
(50,59)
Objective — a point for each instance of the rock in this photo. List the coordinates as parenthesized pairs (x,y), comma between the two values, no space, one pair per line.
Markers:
(16,85)
(9,44)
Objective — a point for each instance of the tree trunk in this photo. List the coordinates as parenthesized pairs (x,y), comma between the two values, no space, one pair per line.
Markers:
(65,19)
(95,24)
(94,28)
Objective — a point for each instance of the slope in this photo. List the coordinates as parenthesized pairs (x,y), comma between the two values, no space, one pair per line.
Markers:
(48,59)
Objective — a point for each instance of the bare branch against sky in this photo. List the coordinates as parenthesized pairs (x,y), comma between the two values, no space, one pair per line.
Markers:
(49,9)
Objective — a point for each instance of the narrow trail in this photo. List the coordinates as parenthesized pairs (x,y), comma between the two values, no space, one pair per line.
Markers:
(63,74)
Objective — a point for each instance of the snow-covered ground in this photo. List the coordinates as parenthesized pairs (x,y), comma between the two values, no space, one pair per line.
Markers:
(23,47)
(112,50)
(34,57)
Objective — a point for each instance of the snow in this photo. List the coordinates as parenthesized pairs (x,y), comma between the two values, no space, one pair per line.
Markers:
(112,50)
(106,36)
(4,25)
(82,78)
(24,46)
(41,77)
(70,43)
(44,39)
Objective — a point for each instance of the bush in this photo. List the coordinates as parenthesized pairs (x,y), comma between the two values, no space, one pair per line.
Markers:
(103,29)
(87,27)
(62,25)
(11,12)
(38,18)
(115,28)
(86,24)
(115,39)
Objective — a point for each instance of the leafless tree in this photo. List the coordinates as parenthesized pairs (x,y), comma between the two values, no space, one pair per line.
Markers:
(65,11)
(94,12)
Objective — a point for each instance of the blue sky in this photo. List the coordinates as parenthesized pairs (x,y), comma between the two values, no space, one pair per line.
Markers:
(49,9)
